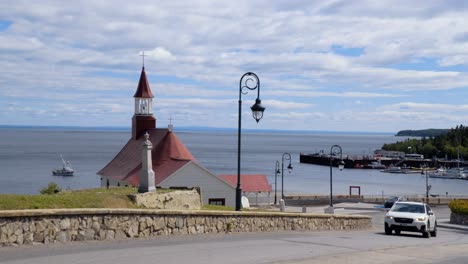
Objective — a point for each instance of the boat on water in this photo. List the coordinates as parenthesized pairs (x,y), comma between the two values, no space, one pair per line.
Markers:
(374,165)
(392,169)
(401,170)
(454,173)
(66,170)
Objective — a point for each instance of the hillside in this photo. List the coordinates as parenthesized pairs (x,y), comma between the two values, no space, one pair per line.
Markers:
(432,132)
(450,144)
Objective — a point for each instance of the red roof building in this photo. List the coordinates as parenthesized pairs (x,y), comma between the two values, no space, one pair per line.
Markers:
(173,164)
(168,155)
(249,182)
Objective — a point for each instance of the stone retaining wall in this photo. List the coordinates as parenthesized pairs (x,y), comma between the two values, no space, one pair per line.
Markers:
(50,226)
(175,200)
(458,219)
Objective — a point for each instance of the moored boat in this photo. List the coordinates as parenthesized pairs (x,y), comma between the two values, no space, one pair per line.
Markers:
(455,173)
(374,165)
(66,170)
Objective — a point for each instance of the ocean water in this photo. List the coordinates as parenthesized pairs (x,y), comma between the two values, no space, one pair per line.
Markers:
(27,157)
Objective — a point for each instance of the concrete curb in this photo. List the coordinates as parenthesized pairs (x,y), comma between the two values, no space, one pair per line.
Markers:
(445,223)
(361,208)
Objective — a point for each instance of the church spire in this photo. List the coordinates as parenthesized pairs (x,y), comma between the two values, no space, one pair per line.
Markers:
(143,120)
(143,90)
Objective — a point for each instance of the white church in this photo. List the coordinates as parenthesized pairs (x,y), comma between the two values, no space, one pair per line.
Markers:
(172,163)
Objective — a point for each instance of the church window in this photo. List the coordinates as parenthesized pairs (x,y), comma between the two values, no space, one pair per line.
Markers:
(217,201)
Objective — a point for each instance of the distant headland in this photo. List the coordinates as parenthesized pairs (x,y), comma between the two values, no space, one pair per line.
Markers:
(431,132)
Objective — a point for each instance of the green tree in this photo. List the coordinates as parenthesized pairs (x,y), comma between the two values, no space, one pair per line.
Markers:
(52,188)
(447,144)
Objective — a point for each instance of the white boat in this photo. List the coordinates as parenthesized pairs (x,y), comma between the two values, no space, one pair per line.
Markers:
(67,169)
(392,169)
(374,165)
(454,173)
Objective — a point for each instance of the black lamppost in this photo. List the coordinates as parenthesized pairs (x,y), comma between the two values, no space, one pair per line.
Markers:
(341,164)
(428,187)
(248,81)
(286,156)
(277,171)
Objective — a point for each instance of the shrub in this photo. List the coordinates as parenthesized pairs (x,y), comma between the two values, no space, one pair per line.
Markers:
(52,188)
(459,206)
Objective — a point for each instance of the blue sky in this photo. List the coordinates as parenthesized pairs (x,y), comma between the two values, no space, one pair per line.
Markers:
(377,66)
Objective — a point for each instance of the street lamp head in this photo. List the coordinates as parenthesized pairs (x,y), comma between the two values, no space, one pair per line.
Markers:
(257,110)
(341,164)
(290,168)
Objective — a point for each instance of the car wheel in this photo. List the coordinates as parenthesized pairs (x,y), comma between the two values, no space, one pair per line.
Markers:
(426,232)
(434,232)
(388,230)
(397,232)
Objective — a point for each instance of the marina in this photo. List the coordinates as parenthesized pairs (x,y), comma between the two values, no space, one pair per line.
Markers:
(379,162)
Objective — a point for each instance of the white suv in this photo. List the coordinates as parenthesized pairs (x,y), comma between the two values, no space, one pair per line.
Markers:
(411,216)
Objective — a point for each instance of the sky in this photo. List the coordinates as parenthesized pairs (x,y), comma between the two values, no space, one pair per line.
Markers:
(374,66)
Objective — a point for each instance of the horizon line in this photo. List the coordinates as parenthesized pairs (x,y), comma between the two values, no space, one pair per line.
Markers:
(193,128)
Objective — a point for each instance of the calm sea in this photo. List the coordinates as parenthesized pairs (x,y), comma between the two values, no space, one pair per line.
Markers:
(27,157)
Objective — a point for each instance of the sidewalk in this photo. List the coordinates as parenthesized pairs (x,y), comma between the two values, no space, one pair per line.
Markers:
(340,208)
(445,223)
(356,208)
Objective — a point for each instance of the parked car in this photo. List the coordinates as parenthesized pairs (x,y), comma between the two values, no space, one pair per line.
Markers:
(391,200)
(412,217)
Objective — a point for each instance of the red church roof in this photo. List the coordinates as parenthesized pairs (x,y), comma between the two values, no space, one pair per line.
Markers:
(169,154)
(249,182)
(143,89)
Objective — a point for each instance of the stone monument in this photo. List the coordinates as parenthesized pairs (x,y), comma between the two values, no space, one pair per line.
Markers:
(147,174)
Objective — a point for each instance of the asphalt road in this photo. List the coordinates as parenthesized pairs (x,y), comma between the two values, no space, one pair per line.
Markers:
(369,246)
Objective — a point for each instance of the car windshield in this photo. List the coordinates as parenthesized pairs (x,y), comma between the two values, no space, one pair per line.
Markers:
(408,208)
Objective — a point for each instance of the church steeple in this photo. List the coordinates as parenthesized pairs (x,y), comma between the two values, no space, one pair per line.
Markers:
(143,96)
(143,120)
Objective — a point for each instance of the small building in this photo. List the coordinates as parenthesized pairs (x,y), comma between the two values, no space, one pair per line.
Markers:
(389,154)
(172,162)
(251,184)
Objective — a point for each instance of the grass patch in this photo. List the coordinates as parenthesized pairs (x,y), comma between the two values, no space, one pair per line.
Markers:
(217,207)
(88,198)
(459,206)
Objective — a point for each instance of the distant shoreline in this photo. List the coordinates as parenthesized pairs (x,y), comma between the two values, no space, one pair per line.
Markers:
(192,129)
(431,132)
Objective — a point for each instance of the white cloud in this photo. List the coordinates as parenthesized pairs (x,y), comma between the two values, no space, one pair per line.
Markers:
(426,107)
(160,54)
(333,94)
(283,105)
(16,43)
(83,52)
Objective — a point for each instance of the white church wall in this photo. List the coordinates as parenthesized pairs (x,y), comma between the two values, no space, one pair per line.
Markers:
(112,182)
(210,185)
